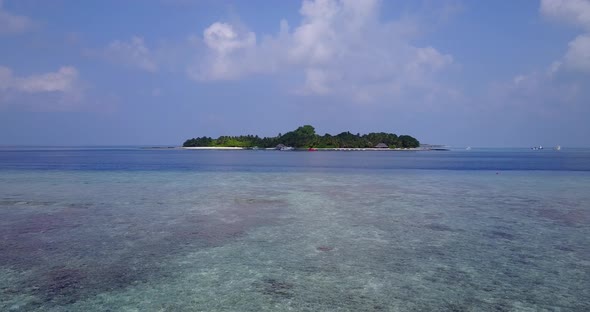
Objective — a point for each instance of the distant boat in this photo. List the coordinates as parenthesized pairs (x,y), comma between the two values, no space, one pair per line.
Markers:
(540,147)
(283,147)
(558,148)
(468,148)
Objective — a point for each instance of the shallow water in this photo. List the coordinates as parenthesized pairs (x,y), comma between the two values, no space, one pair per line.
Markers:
(146,230)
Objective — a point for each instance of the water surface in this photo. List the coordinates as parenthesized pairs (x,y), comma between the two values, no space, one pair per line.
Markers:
(131,229)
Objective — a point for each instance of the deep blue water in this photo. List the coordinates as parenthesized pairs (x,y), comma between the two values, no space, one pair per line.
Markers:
(173,159)
(132,229)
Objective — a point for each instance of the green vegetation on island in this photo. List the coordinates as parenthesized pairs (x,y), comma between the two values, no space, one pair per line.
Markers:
(305,137)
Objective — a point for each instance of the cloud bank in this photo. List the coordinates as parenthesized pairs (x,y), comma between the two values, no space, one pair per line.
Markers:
(339,47)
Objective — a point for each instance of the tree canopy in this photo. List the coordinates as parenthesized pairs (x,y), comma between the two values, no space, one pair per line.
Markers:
(306,137)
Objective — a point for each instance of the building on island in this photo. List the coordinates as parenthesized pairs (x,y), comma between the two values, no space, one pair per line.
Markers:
(280,146)
(381,145)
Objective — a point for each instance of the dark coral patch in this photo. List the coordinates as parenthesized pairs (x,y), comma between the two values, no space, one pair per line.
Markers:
(572,217)
(276,288)
(62,283)
(441,228)
(500,234)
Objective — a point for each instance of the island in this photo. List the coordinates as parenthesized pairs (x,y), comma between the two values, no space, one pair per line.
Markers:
(305,137)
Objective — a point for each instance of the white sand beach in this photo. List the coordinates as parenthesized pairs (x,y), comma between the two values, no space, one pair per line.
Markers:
(214,148)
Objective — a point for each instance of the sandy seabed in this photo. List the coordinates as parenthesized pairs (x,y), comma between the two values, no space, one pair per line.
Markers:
(263,241)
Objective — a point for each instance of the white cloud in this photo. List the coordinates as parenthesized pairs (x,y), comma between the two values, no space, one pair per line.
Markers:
(222,38)
(339,47)
(318,81)
(62,80)
(560,86)
(544,93)
(229,49)
(577,56)
(574,12)
(61,89)
(12,23)
(133,53)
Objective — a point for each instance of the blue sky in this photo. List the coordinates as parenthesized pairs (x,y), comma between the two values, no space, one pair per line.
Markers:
(457,72)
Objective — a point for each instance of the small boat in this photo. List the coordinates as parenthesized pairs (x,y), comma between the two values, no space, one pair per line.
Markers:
(557,148)
(468,148)
(312,149)
(287,148)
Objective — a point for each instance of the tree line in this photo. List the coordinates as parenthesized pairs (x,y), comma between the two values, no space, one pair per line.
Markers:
(305,137)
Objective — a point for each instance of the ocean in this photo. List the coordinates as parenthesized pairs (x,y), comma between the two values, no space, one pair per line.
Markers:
(140,229)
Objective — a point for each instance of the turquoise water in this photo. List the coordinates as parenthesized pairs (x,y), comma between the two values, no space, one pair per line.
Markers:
(137,230)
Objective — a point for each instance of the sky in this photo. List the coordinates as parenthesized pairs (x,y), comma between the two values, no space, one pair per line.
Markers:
(157,72)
